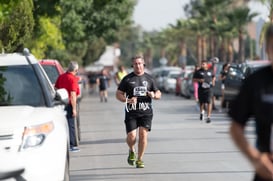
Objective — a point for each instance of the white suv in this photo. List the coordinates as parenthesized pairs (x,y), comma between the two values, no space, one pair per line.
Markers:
(33,126)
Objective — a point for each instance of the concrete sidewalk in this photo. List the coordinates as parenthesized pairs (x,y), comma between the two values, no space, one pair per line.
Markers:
(180,146)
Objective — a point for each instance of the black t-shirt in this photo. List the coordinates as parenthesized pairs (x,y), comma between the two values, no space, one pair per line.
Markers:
(207,75)
(103,81)
(223,74)
(255,99)
(137,86)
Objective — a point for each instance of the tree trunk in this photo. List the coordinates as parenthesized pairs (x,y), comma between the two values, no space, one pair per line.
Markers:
(183,54)
(241,53)
(204,48)
(212,45)
(148,58)
(223,50)
(230,51)
(198,49)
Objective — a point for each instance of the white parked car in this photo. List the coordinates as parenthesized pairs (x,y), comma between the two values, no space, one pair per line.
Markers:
(169,81)
(33,126)
(161,73)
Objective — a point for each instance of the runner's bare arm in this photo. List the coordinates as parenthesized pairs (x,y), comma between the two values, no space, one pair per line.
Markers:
(237,135)
(262,162)
(198,80)
(122,97)
(154,95)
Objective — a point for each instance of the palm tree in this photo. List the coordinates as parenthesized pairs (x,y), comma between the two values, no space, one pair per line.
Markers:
(199,23)
(240,17)
(209,15)
(190,28)
(269,5)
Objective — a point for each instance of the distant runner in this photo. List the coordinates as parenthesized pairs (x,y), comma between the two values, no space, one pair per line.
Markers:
(205,79)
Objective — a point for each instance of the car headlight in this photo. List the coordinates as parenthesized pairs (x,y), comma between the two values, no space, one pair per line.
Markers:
(35,135)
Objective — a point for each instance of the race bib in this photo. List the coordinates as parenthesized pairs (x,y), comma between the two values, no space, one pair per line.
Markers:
(205,85)
(140,91)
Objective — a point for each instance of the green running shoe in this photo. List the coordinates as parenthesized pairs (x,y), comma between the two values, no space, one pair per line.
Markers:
(139,164)
(131,158)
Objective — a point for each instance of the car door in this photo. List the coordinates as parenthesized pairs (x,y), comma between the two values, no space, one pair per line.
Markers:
(233,82)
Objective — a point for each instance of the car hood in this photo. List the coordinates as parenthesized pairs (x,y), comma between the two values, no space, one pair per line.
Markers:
(16,118)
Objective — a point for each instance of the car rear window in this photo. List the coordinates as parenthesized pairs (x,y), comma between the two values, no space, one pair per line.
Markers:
(51,72)
(19,86)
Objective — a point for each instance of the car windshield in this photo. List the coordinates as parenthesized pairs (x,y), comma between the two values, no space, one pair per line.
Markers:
(174,76)
(19,86)
(251,69)
(51,72)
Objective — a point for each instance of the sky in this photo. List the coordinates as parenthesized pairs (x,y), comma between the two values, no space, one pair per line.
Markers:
(158,14)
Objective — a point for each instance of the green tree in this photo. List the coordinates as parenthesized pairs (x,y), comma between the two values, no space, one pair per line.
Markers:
(130,44)
(240,17)
(49,38)
(17,26)
(89,20)
(46,36)
(6,6)
(208,19)
(44,8)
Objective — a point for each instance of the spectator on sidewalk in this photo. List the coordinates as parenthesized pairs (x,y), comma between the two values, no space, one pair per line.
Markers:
(69,81)
(223,76)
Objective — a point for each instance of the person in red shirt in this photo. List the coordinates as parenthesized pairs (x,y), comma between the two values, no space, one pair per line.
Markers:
(69,81)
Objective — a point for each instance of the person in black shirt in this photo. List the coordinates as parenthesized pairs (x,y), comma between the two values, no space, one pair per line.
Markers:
(255,99)
(205,79)
(103,82)
(137,90)
(223,76)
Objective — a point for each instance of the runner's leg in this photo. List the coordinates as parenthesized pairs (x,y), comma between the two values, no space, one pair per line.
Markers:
(142,143)
(209,107)
(131,140)
(105,95)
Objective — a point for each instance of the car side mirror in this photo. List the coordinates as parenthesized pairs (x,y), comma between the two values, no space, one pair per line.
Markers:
(62,96)
(235,73)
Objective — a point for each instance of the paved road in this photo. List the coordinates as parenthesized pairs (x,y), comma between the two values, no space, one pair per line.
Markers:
(180,146)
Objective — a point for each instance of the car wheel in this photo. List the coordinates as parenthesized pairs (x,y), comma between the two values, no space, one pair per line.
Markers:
(188,95)
(66,171)
(224,104)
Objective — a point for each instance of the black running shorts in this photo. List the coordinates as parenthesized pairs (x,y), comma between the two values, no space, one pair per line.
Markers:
(133,121)
(204,96)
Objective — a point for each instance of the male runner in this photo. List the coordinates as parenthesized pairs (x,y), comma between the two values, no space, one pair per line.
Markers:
(255,99)
(137,90)
(206,80)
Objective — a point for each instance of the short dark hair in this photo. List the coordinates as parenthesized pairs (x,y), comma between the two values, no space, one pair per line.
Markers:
(204,61)
(225,65)
(137,57)
(268,33)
